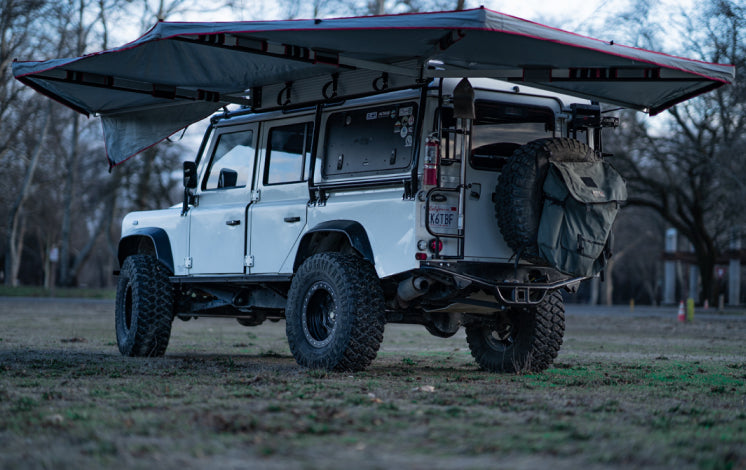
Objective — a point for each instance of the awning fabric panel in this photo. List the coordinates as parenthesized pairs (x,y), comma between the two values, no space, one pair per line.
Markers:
(180,72)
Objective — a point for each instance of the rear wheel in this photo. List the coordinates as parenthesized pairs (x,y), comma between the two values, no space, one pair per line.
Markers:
(523,339)
(335,313)
(144,307)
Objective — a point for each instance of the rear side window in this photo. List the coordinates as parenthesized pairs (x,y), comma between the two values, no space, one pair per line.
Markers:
(288,151)
(500,128)
(370,141)
(232,161)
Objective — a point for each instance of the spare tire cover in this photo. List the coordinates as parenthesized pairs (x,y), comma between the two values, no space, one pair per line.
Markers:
(519,195)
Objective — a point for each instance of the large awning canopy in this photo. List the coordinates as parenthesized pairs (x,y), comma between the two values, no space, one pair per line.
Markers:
(179,73)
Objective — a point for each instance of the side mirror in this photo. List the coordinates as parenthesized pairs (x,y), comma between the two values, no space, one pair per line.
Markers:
(190,175)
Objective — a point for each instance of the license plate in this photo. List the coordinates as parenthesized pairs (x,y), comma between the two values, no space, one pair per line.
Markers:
(443,216)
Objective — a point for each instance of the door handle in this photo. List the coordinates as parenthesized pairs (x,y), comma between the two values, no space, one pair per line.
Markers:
(232,222)
(292,220)
(475,190)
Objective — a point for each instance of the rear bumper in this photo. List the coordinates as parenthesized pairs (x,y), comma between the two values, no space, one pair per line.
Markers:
(510,284)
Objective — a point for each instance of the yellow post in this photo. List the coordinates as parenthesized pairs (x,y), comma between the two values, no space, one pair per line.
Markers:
(631,305)
(690,310)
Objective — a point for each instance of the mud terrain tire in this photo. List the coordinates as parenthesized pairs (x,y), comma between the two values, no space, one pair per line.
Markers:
(519,191)
(144,307)
(335,313)
(526,339)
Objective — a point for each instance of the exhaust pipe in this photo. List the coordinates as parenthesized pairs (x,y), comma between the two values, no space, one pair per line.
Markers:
(411,288)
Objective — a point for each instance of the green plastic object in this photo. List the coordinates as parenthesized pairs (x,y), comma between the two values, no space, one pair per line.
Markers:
(581,201)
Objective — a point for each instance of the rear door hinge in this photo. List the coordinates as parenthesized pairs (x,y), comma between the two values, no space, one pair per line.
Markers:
(248,261)
(256,195)
(188,262)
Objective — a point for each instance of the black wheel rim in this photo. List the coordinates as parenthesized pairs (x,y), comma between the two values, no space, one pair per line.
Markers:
(501,334)
(319,316)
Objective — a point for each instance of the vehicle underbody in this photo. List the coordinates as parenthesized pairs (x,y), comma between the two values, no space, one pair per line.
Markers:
(460,292)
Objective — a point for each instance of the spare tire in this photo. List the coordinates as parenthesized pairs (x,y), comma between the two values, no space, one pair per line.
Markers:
(519,195)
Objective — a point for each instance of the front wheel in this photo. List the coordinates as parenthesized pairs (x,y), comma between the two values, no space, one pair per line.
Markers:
(144,307)
(335,313)
(522,339)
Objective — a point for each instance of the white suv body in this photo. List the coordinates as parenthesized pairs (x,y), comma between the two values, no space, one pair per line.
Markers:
(231,227)
(273,190)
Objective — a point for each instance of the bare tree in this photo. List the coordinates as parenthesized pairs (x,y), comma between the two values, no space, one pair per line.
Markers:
(97,210)
(151,11)
(691,170)
(17,19)
(55,190)
(16,223)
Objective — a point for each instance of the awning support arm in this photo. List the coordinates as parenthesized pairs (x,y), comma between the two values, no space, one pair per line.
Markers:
(157,90)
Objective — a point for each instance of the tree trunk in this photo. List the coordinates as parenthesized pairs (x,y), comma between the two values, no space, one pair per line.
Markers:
(13,237)
(609,281)
(707,275)
(593,298)
(380,8)
(102,224)
(47,263)
(67,207)
(17,251)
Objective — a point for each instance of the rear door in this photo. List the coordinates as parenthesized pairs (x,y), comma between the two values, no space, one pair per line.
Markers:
(278,217)
(218,223)
(498,130)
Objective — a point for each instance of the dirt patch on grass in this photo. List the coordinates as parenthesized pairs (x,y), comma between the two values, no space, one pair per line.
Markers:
(625,392)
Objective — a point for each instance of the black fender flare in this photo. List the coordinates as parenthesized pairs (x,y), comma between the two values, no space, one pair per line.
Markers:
(156,237)
(354,231)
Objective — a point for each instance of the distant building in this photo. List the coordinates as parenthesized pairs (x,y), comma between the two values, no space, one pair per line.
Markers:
(681,277)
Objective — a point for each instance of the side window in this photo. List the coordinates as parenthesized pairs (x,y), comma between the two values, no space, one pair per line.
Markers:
(288,150)
(232,161)
(501,128)
(370,141)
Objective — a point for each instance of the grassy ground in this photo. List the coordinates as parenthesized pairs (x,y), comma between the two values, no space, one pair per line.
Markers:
(61,292)
(626,392)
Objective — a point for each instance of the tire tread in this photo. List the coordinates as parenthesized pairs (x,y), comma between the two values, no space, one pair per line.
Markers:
(535,351)
(359,292)
(152,307)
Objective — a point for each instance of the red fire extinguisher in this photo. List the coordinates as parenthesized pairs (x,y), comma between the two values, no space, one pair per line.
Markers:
(432,161)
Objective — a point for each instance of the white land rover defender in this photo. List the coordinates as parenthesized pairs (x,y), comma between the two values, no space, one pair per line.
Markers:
(365,180)
(454,204)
